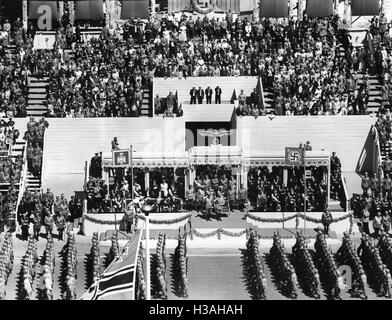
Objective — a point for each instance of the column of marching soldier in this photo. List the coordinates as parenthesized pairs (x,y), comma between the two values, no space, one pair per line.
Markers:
(6,263)
(254,267)
(375,268)
(181,267)
(286,277)
(160,271)
(347,255)
(70,268)
(307,271)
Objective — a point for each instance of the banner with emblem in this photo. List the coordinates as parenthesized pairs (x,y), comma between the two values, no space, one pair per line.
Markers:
(364,7)
(294,156)
(118,281)
(274,8)
(121,158)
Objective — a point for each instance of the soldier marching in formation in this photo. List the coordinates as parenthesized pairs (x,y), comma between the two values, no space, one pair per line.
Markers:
(114,251)
(181,263)
(385,248)
(327,267)
(347,255)
(29,263)
(70,263)
(95,257)
(283,268)
(46,280)
(255,268)
(6,263)
(161,267)
(378,272)
(306,268)
(140,279)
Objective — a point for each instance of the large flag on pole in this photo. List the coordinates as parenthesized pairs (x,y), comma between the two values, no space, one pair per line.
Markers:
(118,281)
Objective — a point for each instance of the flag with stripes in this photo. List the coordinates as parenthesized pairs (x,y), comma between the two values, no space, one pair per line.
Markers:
(118,281)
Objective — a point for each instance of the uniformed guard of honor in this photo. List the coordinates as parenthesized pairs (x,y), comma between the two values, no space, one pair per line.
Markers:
(287,279)
(95,257)
(160,273)
(327,267)
(46,280)
(181,267)
(255,267)
(29,264)
(346,255)
(6,263)
(375,268)
(306,270)
(70,265)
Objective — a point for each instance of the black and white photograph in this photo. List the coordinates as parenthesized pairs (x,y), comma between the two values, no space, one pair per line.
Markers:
(195,150)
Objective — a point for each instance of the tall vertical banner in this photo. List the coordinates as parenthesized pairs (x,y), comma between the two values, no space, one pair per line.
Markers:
(38,9)
(89,9)
(319,8)
(364,7)
(135,9)
(118,281)
(274,8)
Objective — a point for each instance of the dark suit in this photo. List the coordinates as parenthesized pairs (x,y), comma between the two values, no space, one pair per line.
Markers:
(200,95)
(209,93)
(218,93)
(193,96)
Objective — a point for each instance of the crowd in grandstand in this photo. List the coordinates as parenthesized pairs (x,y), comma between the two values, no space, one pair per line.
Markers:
(309,65)
(269,193)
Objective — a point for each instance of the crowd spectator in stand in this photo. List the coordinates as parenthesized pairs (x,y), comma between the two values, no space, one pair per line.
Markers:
(268,193)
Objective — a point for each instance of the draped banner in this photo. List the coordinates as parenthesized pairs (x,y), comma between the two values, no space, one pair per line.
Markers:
(39,8)
(364,7)
(135,9)
(118,280)
(89,9)
(319,8)
(274,8)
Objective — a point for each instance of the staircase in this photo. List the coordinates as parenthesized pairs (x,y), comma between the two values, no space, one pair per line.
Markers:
(374,92)
(33,183)
(145,109)
(268,101)
(37,96)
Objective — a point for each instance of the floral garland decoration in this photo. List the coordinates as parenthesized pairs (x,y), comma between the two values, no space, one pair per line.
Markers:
(168,221)
(218,232)
(98,221)
(277,220)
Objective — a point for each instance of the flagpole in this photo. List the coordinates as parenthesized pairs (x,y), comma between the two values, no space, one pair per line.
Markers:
(303,155)
(148,281)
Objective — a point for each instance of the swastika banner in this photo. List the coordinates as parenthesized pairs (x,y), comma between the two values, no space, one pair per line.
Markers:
(274,8)
(294,156)
(319,8)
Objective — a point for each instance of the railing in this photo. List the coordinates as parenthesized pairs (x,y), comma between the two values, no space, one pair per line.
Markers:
(22,183)
(347,199)
(43,166)
(379,158)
